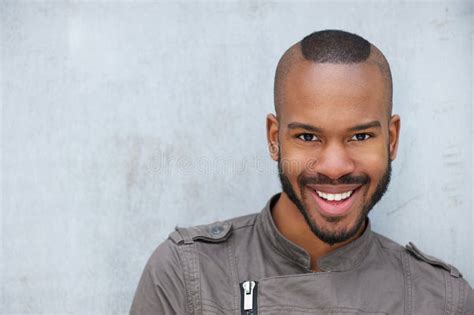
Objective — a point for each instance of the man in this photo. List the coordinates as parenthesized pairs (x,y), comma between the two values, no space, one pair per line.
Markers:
(311,249)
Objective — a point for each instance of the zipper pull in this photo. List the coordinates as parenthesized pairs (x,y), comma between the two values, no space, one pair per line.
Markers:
(248,297)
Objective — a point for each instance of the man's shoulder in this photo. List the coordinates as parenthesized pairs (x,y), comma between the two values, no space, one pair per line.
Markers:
(428,277)
(170,254)
(215,232)
(429,271)
(416,256)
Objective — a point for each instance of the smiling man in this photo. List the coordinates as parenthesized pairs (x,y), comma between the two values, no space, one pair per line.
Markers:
(311,249)
(333,137)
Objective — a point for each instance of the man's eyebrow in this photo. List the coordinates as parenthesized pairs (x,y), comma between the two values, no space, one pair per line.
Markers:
(372,124)
(297,125)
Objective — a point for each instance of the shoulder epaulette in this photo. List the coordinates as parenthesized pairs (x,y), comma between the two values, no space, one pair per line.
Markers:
(214,233)
(412,249)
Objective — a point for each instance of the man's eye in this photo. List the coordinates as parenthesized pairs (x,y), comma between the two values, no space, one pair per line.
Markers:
(307,137)
(360,137)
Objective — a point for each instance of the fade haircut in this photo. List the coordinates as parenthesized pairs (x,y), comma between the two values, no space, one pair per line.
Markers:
(332,46)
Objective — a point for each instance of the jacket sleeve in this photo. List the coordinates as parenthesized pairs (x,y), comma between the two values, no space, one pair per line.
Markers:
(161,287)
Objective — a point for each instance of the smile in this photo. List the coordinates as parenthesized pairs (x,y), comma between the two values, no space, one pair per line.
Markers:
(334,200)
(336,197)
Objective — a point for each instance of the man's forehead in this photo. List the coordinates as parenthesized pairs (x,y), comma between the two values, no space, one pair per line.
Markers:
(313,75)
(327,89)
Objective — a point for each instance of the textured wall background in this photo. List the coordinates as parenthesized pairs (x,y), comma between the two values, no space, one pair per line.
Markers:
(122,119)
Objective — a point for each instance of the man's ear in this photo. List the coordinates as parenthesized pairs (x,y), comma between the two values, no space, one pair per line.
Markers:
(272,136)
(394,135)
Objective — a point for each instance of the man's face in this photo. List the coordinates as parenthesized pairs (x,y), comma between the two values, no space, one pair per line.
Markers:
(335,143)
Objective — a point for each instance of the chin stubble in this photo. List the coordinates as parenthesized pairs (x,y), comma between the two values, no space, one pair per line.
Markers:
(323,234)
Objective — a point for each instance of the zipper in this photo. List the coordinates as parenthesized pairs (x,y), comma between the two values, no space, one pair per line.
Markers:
(248,297)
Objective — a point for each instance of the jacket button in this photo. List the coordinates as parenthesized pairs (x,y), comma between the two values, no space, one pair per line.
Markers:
(217,229)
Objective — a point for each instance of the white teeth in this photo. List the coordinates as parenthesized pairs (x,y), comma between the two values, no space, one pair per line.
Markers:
(337,197)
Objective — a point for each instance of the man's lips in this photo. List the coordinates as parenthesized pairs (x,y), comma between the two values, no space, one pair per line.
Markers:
(334,200)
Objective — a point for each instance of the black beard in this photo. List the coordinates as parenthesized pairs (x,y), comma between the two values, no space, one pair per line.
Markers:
(326,236)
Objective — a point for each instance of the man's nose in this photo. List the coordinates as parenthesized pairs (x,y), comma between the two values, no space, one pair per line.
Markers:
(334,161)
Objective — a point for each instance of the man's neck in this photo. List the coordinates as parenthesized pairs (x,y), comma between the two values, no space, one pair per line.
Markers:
(292,225)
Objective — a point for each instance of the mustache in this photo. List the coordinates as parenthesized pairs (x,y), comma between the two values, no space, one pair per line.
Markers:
(322,179)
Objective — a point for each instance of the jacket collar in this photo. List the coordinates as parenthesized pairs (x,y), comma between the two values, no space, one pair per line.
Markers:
(344,258)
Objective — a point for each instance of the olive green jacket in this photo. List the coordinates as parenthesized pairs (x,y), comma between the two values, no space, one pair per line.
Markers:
(245,266)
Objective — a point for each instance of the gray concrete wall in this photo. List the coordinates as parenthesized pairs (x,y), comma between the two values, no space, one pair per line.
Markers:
(121,119)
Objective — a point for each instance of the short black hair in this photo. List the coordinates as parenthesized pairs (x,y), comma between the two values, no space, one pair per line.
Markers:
(334,46)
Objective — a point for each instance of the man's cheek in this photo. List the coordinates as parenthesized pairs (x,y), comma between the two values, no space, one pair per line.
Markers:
(373,164)
(293,165)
